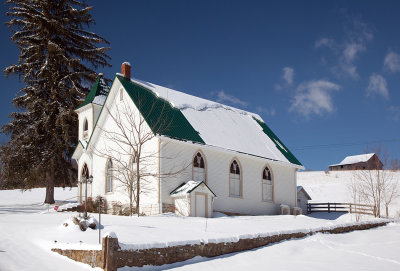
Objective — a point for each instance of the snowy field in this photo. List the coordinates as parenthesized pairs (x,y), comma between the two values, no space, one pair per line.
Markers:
(29,230)
(375,249)
(333,187)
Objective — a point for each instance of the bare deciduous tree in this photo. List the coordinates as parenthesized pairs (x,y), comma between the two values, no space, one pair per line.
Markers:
(376,187)
(353,187)
(134,159)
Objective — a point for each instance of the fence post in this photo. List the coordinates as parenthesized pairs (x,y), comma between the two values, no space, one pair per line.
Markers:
(374,210)
(110,247)
(329,207)
(350,207)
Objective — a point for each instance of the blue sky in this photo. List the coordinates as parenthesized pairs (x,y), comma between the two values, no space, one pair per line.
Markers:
(324,75)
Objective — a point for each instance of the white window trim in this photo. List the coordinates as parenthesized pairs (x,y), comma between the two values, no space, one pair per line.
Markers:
(240,179)
(195,170)
(108,187)
(264,182)
(121,94)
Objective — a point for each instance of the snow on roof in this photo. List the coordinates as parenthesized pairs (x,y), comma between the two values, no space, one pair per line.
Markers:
(186,188)
(222,126)
(99,99)
(98,93)
(355,159)
(300,188)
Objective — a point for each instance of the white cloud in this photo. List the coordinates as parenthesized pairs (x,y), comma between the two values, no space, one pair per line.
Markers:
(324,42)
(377,85)
(392,62)
(347,69)
(223,97)
(395,110)
(314,97)
(351,50)
(357,35)
(278,87)
(288,75)
(269,111)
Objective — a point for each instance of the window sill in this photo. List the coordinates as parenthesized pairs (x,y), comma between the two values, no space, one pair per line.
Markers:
(236,197)
(267,201)
(85,135)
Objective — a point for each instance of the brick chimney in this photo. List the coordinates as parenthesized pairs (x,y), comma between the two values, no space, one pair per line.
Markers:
(126,70)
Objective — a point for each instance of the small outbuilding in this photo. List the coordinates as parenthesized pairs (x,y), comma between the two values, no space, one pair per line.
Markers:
(193,198)
(302,199)
(366,161)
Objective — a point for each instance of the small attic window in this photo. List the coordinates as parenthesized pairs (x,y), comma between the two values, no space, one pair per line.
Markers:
(85,129)
(121,94)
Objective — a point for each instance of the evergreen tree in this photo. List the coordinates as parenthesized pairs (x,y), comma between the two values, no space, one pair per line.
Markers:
(56,62)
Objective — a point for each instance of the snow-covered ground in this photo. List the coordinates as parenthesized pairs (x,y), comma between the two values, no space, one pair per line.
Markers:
(28,231)
(25,224)
(375,249)
(332,186)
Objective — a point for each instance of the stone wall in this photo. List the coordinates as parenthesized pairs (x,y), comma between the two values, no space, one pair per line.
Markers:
(168,208)
(115,258)
(94,258)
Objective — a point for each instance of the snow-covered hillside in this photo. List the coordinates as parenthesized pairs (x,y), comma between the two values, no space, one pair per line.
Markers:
(332,186)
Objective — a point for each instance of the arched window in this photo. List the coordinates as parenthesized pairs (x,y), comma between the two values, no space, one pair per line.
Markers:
(109,176)
(199,171)
(235,187)
(85,125)
(133,158)
(267,187)
(85,172)
(85,128)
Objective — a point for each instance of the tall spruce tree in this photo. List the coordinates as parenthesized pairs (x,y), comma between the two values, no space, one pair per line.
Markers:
(56,62)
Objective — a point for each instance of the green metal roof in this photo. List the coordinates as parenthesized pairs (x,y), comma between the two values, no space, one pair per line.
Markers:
(99,88)
(278,143)
(172,123)
(160,115)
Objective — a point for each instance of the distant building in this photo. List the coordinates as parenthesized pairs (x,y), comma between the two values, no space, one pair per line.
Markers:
(356,162)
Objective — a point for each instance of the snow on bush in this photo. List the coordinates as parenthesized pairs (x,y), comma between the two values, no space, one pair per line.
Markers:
(77,222)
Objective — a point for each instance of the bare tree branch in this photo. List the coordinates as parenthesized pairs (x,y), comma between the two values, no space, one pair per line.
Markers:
(134,162)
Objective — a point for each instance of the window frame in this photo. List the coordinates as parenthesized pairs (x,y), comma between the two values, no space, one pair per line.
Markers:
(240,179)
(85,129)
(108,162)
(272,184)
(84,170)
(205,165)
(121,94)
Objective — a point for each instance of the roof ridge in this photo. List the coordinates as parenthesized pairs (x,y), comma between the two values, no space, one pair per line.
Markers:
(204,106)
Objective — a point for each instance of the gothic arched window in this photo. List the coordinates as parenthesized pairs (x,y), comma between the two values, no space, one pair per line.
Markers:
(199,170)
(267,185)
(235,186)
(109,176)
